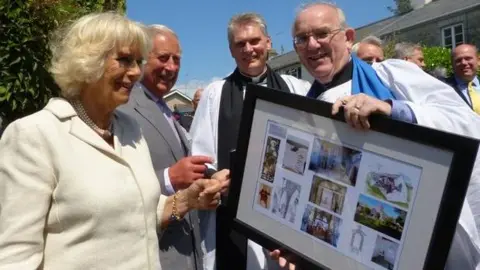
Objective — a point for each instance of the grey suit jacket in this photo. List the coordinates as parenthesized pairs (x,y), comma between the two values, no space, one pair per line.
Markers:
(180,242)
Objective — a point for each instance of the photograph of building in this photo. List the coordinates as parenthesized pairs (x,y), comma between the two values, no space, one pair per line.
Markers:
(327,194)
(380,216)
(335,161)
(321,225)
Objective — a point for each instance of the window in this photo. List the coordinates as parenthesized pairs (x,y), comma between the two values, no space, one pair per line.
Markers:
(452,36)
(294,71)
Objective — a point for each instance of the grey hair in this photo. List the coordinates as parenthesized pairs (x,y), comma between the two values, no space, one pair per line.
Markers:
(340,13)
(372,40)
(80,49)
(160,29)
(245,19)
(405,49)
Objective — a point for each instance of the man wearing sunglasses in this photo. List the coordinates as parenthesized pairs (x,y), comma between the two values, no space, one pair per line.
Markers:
(395,88)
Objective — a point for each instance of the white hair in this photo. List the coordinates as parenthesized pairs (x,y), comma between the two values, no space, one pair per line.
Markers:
(160,29)
(303,7)
(79,50)
(405,49)
(246,19)
(372,40)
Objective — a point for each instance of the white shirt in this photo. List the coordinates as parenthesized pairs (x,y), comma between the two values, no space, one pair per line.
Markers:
(203,131)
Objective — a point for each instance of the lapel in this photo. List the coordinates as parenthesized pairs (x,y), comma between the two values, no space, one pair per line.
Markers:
(125,142)
(186,144)
(453,83)
(63,110)
(148,109)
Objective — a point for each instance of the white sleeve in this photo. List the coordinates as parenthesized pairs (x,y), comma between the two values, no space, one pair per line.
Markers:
(434,103)
(27,182)
(205,121)
(168,185)
(297,86)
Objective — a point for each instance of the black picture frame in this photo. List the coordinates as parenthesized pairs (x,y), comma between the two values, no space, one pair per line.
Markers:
(464,153)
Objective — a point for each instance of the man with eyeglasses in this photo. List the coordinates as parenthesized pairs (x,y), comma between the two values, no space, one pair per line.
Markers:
(395,88)
(169,146)
(215,129)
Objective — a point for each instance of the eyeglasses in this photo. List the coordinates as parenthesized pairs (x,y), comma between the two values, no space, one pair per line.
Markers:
(318,35)
(128,61)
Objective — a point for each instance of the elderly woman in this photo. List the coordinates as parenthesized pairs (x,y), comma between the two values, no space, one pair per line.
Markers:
(77,186)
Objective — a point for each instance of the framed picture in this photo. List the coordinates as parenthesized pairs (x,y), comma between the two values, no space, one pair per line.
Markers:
(332,197)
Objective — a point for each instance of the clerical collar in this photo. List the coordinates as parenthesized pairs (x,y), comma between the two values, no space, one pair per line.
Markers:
(343,76)
(256,80)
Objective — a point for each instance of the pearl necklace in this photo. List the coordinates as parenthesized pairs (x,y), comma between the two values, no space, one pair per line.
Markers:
(104,133)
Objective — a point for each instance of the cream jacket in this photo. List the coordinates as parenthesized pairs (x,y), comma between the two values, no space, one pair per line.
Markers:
(70,201)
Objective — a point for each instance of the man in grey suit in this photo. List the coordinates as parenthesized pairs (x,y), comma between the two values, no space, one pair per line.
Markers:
(169,146)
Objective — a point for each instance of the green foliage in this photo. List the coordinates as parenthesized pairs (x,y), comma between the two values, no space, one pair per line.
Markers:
(437,57)
(25,28)
(401,7)
(389,47)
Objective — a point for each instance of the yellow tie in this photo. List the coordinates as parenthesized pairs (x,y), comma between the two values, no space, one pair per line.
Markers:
(474,97)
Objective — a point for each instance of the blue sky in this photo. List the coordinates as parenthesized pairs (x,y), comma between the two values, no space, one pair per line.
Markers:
(201,26)
(372,203)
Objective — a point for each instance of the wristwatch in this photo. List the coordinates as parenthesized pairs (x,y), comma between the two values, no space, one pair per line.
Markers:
(209,172)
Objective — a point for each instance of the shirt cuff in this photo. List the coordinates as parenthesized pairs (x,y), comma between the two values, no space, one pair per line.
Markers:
(401,111)
(168,185)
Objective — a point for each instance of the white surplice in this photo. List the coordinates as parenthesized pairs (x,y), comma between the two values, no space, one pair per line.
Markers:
(434,103)
(204,132)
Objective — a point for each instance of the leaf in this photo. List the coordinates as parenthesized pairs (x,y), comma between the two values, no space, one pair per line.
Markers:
(16,61)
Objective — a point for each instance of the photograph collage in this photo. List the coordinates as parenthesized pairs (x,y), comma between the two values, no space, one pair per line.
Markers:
(354,201)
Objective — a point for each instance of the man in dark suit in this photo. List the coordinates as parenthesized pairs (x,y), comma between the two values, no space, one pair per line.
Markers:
(169,146)
(465,80)
(186,118)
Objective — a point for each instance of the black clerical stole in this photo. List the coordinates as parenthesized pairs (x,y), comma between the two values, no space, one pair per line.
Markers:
(230,112)
(231,247)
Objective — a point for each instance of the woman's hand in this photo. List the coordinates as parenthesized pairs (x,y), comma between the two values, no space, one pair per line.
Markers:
(275,255)
(205,193)
(223,175)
